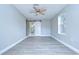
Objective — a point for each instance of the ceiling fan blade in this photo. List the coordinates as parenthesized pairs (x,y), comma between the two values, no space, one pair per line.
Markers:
(42,10)
(41,13)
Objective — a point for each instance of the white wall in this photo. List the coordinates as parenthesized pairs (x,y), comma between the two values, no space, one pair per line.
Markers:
(12,26)
(71,14)
(46,27)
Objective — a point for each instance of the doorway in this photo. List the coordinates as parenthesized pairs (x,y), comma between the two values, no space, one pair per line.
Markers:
(33,27)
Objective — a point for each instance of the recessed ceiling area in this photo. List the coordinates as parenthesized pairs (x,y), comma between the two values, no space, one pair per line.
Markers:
(51,10)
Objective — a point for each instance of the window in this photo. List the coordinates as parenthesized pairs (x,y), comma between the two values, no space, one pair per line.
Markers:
(61,29)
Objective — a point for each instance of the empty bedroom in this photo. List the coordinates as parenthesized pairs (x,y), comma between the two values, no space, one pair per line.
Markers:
(39,29)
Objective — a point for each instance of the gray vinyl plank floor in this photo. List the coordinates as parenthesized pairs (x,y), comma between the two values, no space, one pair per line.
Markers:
(40,46)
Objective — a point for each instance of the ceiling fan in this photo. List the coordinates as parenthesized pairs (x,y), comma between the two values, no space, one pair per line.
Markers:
(38,10)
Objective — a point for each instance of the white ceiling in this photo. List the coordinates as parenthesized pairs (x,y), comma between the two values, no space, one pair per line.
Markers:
(52,10)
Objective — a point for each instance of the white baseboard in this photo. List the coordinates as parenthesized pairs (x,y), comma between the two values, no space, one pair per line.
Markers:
(12,45)
(67,45)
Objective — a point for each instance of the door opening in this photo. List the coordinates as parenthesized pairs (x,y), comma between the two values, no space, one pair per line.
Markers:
(33,28)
